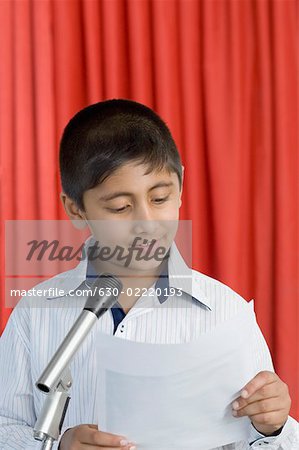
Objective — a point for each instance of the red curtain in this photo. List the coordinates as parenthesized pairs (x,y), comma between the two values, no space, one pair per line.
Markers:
(223,74)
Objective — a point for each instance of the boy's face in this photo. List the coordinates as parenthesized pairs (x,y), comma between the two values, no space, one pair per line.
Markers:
(132,208)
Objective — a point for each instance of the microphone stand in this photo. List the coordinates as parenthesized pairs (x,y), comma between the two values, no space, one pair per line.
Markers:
(56,379)
(49,423)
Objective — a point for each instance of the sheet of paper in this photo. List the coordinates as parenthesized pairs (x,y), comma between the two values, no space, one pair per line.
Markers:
(177,396)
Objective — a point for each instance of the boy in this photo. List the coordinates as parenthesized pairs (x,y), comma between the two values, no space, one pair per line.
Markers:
(120,166)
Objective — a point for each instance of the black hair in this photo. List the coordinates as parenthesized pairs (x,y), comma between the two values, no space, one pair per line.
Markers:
(102,137)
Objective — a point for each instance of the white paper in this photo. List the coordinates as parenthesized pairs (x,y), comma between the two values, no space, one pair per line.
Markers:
(177,396)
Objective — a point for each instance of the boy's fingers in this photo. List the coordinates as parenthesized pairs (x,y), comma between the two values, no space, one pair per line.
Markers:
(106,439)
(92,436)
(260,380)
(266,391)
(97,447)
(269,418)
(120,440)
(263,406)
(126,447)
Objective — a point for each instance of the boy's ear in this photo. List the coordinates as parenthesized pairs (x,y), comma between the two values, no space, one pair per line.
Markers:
(180,201)
(183,171)
(73,211)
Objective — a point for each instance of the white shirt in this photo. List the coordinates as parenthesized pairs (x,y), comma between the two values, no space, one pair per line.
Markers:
(38,324)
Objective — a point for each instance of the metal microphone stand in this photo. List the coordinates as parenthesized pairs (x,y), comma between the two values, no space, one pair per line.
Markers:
(56,379)
(48,426)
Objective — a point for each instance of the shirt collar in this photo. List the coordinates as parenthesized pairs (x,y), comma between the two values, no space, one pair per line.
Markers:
(176,274)
(181,277)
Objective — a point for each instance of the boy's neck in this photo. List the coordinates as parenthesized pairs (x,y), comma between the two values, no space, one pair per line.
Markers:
(137,282)
(137,286)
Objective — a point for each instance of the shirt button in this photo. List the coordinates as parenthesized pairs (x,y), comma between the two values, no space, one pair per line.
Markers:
(260,443)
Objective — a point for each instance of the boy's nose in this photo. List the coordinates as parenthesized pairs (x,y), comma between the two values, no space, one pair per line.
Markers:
(143,213)
(145,227)
(144,220)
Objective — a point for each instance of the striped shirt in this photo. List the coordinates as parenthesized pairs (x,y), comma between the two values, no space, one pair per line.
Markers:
(37,326)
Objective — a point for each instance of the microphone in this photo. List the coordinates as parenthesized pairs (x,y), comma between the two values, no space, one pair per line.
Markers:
(106,290)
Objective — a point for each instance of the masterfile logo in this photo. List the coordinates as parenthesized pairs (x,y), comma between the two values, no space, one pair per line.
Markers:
(38,250)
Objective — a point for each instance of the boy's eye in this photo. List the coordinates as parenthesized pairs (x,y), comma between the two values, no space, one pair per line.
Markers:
(124,208)
(160,200)
(118,210)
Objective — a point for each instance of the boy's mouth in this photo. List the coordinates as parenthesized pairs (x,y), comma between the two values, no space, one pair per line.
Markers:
(146,243)
(142,243)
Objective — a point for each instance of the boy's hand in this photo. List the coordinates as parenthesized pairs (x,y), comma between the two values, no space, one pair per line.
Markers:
(88,437)
(266,401)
